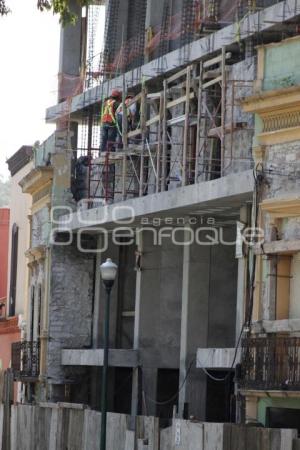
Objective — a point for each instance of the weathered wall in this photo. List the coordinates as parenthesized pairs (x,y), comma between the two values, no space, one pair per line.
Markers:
(281,64)
(238,140)
(70,306)
(40,228)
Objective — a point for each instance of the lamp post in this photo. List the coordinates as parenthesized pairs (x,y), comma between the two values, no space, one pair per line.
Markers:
(108,272)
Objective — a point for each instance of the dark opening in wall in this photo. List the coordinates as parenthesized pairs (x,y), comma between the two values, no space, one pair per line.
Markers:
(220,404)
(283,418)
(167,387)
(123,390)
(13,269)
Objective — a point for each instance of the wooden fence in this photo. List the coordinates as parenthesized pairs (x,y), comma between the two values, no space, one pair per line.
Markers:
(73,427)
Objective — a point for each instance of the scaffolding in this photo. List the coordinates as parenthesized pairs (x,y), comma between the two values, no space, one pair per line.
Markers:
(184,134)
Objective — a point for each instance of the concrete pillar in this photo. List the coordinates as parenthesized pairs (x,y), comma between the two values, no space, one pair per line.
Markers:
(70,44)
(96,310)
(157,315)
(136,371)
(117,27)
(242,281)
(70,50)
(194,327)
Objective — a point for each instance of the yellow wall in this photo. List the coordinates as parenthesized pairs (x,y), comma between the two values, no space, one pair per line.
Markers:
(20,209)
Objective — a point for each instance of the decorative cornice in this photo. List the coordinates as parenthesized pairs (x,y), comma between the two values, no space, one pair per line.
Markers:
(279,111)
(36,180)
(282,207)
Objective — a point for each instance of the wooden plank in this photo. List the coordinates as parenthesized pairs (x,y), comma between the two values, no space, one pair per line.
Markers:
(151,432)
(227,430)
(177,75)
(55,429)
(265,440)
(180,100)
(91,430)
(286,439)
(134,133)
(275,439)
(223,107)
(166,439)
(199,123)
(164,139)
(186,132)
(124,139)
(75,432)
(238,438)
(213,436)
(153,120)
(14,429)
(116,430)
(212,82)
(252,438)
(159,140)
(129,440)
(144,130)
(216,60)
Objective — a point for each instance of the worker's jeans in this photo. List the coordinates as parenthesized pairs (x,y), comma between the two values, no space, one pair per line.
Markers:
(108,137)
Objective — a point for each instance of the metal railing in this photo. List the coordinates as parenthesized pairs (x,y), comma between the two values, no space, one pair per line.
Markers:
(25,357)
(270,363)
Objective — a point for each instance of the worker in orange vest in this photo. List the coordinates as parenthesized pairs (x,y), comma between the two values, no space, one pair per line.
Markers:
(109,127)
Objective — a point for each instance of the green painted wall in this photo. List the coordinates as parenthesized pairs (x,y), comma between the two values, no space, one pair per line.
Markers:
(282,65)
(264,403)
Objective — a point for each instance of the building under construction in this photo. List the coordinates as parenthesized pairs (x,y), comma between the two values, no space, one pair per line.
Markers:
(204,315)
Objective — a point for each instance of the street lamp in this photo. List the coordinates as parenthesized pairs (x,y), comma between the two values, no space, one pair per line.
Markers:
(108,272)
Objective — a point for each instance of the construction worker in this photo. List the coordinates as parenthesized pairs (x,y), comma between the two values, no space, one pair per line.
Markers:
(131,110)
(109,127)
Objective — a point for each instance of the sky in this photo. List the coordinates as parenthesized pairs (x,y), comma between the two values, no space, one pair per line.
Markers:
(29,49)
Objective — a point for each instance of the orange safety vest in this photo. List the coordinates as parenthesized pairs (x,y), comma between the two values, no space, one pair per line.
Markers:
(108,115)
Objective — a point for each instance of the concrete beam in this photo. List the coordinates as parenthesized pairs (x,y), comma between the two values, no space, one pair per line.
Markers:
(217,358)
(216,198)
(117,358)
(202,48)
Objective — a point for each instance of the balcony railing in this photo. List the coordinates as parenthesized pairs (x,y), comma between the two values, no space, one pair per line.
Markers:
(270,363)
(25,359)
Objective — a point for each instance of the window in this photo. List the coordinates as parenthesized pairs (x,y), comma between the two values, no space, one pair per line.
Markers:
(13,270)
(283,278)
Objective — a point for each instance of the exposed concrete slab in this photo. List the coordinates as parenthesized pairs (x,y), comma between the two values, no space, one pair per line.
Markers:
(249,26)
(217,198)
(117,358)
(217,358)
